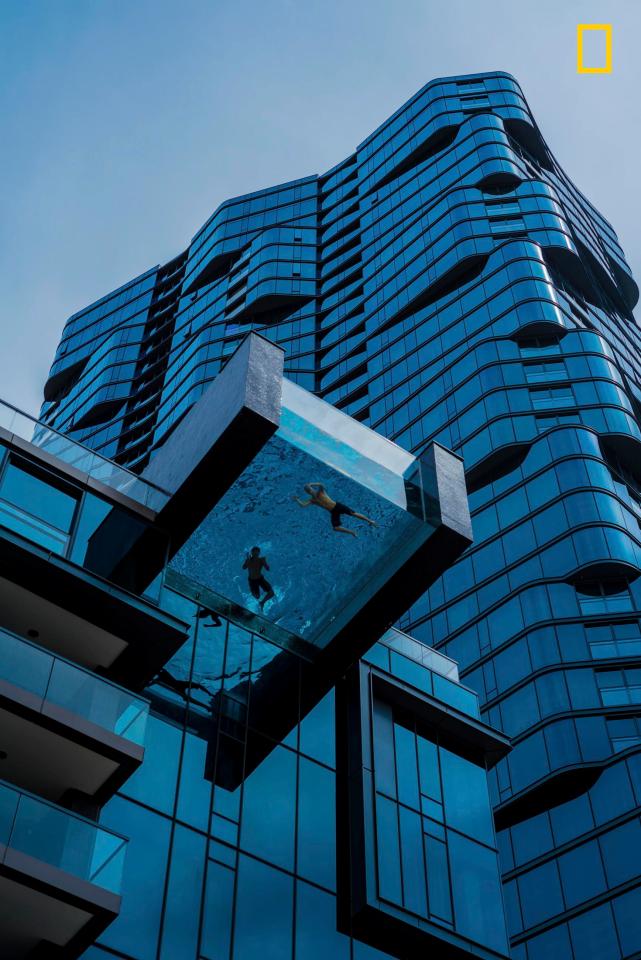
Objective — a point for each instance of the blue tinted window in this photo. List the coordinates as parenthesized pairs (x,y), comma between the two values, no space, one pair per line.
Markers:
(406,766)
(316,935)
(217,912)
(552,945)
(317,738)
(581,873)
(135,932)
(627,910)
(35,509)
(182,911)
(414,896)
(154,783)
(94,511)
(611,795)
(621,850)
(268,816)
(619,687)
(532,838)
(438,879)
(593,935)
(571,819)
(38,497)
(467,806)
(194,792)
(476,888)
(389,860)
(264,912)
(411,671)
(540,894)
(429,769)
(384,759)
(316,824)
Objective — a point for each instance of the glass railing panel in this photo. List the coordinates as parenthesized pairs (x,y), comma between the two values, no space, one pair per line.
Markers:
(457,696)
(8,808)
(82,458)
(444,684)
(69,686)
(12,518)
(92,531)
(410,647)
(65,841)
(438,663)
(23,664)
(344,443)
(98,701)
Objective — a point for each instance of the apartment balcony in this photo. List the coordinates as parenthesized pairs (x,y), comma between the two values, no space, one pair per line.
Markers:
(65,732)
(60,878)
(80,553)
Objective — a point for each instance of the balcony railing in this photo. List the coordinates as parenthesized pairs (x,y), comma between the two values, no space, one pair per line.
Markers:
(444,683)
(75,454)
(60,682)
(51,835)
(104,536)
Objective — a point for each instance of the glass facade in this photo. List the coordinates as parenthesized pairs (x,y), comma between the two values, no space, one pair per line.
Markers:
(446,282)
(249,868)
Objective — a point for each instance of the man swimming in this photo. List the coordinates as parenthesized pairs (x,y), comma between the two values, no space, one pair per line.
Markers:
(254,565)
(318,497)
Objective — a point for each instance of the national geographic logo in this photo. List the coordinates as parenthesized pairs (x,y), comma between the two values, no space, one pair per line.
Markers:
(602,55)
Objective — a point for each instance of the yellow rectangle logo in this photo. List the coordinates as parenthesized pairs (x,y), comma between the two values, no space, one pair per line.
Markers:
(580,30)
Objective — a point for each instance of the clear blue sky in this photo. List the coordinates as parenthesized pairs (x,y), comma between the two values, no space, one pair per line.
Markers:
(125,122)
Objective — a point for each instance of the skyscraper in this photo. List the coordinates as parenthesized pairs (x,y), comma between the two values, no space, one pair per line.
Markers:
(447,282)
(195,762)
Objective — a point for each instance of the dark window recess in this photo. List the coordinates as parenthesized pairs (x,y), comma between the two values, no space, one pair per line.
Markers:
(433,145)
(555,790)
(464,272)
(529,142)
(579,315)
(534,345)
(569,274)
(99,413)
(499,464)
(624,464)
(604,596)
(61,383)
(499,184)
